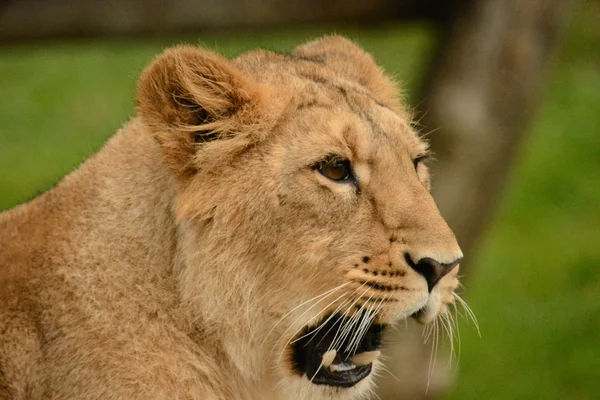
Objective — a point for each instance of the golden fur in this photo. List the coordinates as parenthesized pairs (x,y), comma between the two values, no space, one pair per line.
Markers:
(180,261)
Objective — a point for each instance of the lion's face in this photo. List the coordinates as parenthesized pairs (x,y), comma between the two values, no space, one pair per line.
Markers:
(301,183)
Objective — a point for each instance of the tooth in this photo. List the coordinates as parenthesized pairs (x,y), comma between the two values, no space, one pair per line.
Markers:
(365,358)
(342,367)
(328,358)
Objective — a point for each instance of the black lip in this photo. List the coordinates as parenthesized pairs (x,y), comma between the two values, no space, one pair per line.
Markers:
(310,345)
(342,378)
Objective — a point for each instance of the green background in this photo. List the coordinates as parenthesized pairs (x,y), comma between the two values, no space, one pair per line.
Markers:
(535,284)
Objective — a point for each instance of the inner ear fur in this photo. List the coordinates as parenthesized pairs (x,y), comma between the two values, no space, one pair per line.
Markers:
(353,63)
(190,96)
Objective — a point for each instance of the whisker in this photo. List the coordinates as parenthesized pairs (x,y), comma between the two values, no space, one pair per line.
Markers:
(349,328)
(455,341)
(432,355)
(302,327)
(338,321)
(302,315)
(326,294)
(429,329)
(450,334)
(313,333)
(469,312)
(361,330)
(455,317)
(357,337)
(384,368)
(456,325)
(365,329)
(316,372)
(348,325)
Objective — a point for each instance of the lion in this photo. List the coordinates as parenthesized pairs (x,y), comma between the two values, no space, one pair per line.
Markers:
(250,233)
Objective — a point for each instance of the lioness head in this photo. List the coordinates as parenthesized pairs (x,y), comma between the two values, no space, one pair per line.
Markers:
(305,222)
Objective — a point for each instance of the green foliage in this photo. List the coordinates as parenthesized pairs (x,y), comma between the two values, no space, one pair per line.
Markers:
(536,285)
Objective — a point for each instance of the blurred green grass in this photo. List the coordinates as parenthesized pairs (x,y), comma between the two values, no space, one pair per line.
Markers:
(535,286)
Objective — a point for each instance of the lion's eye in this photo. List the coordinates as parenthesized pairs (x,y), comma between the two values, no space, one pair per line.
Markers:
(420,159)
(336,169)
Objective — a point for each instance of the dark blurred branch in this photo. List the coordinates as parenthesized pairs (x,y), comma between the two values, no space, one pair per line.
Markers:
(42,19)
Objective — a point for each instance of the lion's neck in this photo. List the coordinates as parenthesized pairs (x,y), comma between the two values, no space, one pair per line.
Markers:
(120,204)
(136,185)
(226,305)
(128,206)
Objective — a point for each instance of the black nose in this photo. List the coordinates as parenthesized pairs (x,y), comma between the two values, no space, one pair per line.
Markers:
(431,269)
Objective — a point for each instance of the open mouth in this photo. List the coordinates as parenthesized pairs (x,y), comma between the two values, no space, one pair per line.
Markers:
(419,313)
(338,352)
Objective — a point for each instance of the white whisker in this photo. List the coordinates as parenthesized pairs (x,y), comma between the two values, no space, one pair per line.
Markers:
(455,317)
(333,314)
(384,368)
(302,327)
(450,334)
(326,294)
(368,321)
(433,355)
(336,322)
(346,327)
(363,320)
(469,312)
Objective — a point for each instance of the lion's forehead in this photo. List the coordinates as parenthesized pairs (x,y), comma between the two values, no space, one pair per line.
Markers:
(351,120)
(315,97)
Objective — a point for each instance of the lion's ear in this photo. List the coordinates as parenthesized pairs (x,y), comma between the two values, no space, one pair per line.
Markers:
(352,62)
(190,96)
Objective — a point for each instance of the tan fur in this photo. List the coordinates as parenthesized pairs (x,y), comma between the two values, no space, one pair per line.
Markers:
(179,261)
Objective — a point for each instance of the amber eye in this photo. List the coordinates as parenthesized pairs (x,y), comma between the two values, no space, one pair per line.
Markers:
(336,169)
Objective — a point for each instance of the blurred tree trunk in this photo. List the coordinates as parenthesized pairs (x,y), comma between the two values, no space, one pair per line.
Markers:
(483,87)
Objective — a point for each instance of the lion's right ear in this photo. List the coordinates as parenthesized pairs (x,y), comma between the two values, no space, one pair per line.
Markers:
(189,96)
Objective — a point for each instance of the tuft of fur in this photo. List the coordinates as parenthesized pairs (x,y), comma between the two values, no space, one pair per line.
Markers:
(184,258)
(351,62)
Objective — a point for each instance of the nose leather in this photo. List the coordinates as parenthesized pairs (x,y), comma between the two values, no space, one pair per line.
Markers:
(431,269)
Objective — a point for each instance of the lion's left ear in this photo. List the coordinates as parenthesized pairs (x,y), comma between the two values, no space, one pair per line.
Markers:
(352,62)
(190,96)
